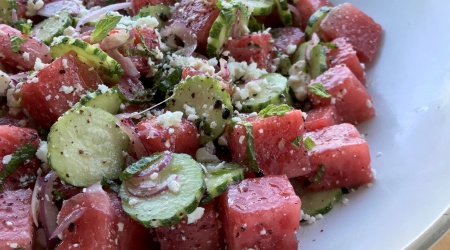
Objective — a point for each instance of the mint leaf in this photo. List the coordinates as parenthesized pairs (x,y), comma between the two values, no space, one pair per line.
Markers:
(297,141)
(318,89)
(309,143)
(250,146)
(275,110)
(19,157)
(16,41)
(103,27)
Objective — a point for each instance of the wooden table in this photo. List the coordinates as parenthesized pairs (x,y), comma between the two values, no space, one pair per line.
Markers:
(443,244)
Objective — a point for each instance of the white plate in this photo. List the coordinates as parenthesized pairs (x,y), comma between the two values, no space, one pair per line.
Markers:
(409,138)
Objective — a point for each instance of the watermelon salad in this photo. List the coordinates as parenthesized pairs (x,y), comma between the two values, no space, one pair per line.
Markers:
(192,124)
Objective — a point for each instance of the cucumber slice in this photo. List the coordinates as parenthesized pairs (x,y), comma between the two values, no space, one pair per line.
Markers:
(220,31)
(169,207)
(317,63)
(108,100)
(85,145)
(219,177)
(273,88)
(6,7)
(258,7)
(109,69)
(321,202)
(209,103)
(300,53)
(284,12)
(315,20)
(161,12)
(52,27)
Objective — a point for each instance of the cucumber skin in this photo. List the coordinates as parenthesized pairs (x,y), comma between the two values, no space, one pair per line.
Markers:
(315,20)
(314,209)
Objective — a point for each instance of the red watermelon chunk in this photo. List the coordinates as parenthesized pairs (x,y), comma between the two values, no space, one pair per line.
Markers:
(344,156)
(345,54)
(96,228)
(252,48)
(17,228)
(352,100)
(56,88)
(322,117)
(261,213)
(354,25)
(287,39)
(25,57)
(307,7)
(274,137)
(198,16)
(201,234)
(131,234)
(178,139)
(150,41)
(11,139)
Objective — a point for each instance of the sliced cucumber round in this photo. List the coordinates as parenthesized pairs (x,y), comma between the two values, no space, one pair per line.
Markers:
(85,145)
(109,69)
(218,177)
(160,11)
(169,207)
(258,7)
(317,63)
(284,12)
(273,88)
(315,20)
(6,7)
(220,30)
(320,202)
(108,100)
(209,103)
(52,27)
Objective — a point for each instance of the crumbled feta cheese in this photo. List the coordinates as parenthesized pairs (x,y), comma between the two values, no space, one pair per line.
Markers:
(298,80)
(26,56)
(174,186)
(66,89)
(6,159)
(64,63)
(170,119)
(41,152)
(4,82)
(120,226)
(38,64)
(103,88)
(290,49)
(196,215)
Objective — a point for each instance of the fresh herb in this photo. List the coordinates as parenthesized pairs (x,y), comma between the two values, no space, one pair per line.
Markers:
(139,166)
(19,157)
(297,141)
(318,89)
(319,174)
(275,110)
(16,41)
(58,195)
(329,45)
(103,27)
(309,143)
(111,185)
(23,25)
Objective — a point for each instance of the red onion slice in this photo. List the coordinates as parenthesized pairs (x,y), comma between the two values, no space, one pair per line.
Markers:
(14,17)
(95,14)
(71,218)
(149,189)
(137,146)
(35,199)
(224,72)
(50,9)
(48,212)
(127,65)
(162,163)
(188,37)
(116,39)
(294,11)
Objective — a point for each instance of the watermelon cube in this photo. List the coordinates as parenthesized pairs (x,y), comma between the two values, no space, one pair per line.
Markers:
(356,27)
(17,227)
(343,157)
(200,234)
(287,39)
(322,117)
(345,54)
(96,228)
(261,213)
(274,136)
(56,88)
(352,100)
(307,7)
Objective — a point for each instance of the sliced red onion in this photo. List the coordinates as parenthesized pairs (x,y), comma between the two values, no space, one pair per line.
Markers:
(14,17)
(95,14)
(294,11)
(65,223)
(50,9)
(224,72)
(18,76)
(137,146)
(188,37)
(117,39)
(149,189)
(127,65)
(313,42)
(35,199)
(48,212)
(162,163)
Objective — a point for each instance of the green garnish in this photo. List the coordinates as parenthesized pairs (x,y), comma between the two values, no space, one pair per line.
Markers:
(16,41)
(329,45)
(250,146)
(297,141)
(111,185)
(274,110)
(19,157)
(23,25)
(318,89)
(309,143)
(139,166)
(319,174)
(103,27)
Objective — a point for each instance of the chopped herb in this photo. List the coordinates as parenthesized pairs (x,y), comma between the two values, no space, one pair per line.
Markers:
(319,174)
(275,110)
(16,41)
(297,141)
(103,27)
(19,157)
(309,143)
(58,196)
(23,25)
(111,185)
(329,45)
(318,89)
(250,146)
